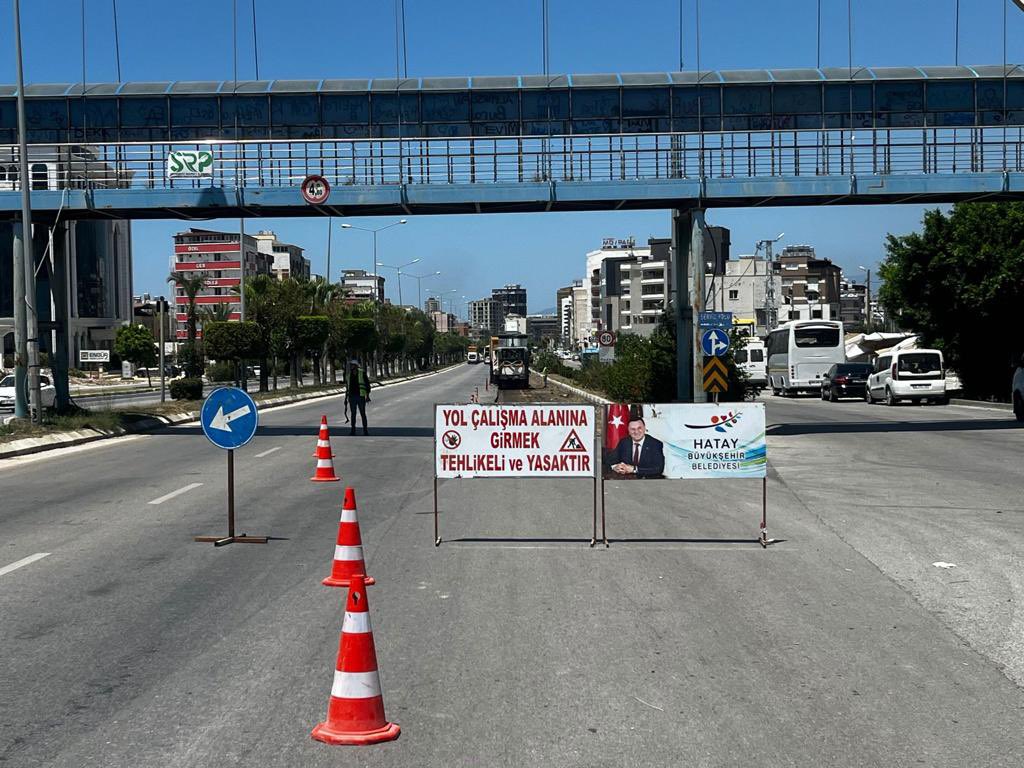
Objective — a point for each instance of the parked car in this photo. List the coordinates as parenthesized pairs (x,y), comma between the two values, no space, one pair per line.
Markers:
(47,392)
(908,374)
(1018,391)
(845,380)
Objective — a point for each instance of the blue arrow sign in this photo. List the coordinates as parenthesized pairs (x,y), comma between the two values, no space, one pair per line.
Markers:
(714,342)
(229,418)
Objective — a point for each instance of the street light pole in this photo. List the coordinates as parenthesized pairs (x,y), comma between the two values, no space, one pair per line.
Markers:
(29,351)
(163,322)
(419,285)
(867,299)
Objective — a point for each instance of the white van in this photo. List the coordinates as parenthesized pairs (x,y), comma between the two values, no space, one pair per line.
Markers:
(752,360)
(908,374)
(800,354)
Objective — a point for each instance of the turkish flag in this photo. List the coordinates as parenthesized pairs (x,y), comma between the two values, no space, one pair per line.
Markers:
(617,426)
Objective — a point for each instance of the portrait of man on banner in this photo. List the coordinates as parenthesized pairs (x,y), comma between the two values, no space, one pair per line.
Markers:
(680,441)
(630,451)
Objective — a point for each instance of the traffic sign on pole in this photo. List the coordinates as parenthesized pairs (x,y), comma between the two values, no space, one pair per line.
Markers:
(606,339)
(315,190)
(716,375)
(229,418)
(714,342)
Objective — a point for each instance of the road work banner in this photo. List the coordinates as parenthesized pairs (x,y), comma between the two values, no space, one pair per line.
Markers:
(475,440)
(684,441)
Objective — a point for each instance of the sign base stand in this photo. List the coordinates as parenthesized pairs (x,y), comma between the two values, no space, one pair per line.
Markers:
(231,538)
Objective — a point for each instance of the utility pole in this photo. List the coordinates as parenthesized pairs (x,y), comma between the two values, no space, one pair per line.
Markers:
(30,331)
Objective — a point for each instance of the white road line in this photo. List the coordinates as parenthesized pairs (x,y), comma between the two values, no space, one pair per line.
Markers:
(267,453)
(24,561)
(178,492)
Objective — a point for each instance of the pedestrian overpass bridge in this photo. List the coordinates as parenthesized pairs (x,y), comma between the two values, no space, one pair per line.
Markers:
(517,144)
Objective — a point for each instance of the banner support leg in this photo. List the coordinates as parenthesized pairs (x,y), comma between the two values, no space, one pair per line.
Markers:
(593,537)
(604,532)
(764,512)
(437,535)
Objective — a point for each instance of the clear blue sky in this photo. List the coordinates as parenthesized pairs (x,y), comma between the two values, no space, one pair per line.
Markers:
(191,40)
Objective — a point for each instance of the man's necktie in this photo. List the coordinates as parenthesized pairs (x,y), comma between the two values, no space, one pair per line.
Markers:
(636,454)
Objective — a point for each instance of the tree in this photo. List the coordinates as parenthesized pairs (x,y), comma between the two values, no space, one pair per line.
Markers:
(959,284)
(233,341)
(191,285)
(135,343)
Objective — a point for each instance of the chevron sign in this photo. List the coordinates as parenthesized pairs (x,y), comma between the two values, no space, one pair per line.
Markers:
(716,376)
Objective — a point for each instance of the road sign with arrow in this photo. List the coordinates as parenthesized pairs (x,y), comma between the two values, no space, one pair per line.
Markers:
(229,418)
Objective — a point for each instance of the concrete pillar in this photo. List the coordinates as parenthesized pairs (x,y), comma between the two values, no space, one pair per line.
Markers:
(688,265)
(60,358)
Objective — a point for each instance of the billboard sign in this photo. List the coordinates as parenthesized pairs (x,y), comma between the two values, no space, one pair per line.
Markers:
(94,355)
(477,440)
(684,441)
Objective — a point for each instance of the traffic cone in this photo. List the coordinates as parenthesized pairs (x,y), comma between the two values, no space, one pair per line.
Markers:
(355,712)
(348,552)
(324,458)
(324,440)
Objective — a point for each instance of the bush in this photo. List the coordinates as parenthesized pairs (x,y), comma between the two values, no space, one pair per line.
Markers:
(186,389)
(222,371)
(190,358)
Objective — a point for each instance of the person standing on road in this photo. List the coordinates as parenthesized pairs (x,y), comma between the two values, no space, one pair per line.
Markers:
(357,394)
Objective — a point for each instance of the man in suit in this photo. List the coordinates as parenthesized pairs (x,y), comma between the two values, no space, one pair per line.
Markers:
(639,455)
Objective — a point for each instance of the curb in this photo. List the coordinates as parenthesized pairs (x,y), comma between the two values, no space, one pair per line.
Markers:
(32,445)
(983,405)
(576,390)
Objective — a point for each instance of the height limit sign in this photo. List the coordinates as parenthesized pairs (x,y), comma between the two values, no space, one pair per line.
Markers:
(315,190)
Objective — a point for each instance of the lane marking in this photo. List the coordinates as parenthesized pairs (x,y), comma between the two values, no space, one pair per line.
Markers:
(267,453)
(172,494)
(23,562)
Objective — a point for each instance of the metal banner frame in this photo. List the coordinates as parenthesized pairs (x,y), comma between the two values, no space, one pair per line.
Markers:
(596,477)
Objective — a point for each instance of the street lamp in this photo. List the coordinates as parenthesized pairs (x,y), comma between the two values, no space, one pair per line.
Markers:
(377,297)
(419,285)
(399,269)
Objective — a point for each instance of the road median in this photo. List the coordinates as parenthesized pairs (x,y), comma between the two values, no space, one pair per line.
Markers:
(106,425)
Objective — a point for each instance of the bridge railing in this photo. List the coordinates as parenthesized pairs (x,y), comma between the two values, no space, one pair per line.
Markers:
(486,160)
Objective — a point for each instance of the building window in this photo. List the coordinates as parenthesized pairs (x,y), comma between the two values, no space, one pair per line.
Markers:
(816,314)
(734,294)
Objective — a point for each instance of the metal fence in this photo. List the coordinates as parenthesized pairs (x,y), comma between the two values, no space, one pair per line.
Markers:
(598,158)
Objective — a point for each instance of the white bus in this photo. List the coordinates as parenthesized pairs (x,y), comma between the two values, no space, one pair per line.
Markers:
(801,352)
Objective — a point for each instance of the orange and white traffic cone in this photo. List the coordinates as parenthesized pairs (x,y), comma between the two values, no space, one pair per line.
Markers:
(348,552)
(324,458)
(323,440)
(355,712)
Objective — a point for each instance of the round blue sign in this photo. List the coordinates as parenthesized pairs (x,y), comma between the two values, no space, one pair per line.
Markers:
(714,342)
(229,418)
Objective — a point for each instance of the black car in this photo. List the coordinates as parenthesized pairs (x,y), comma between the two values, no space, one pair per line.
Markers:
(845,380)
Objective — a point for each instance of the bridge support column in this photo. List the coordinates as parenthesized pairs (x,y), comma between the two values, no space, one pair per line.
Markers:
(59,359)
(688,232)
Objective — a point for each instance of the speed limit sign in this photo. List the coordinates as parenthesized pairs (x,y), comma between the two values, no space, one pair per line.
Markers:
(606,339)
(315,189)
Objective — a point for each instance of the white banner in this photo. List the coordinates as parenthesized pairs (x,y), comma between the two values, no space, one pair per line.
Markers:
(474,440)
(684,440)
(190,164)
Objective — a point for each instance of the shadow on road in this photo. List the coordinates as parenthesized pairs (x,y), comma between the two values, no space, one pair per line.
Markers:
(853,427)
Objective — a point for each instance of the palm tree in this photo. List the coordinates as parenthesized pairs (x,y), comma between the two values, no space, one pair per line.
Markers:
(191,285)
(259,302)
(215,313)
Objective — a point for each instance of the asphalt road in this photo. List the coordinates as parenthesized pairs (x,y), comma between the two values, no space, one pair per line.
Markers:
(514,643)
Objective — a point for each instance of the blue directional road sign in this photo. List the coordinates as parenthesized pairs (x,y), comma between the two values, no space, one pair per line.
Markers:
(229,418)
(714,342)
(714,319)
